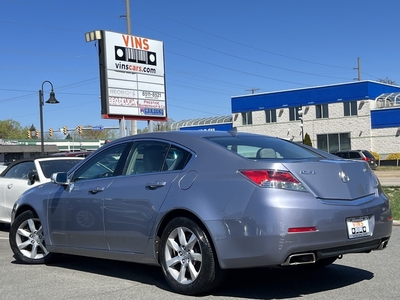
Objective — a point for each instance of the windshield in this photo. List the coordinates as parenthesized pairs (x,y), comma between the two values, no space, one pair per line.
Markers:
(59,165)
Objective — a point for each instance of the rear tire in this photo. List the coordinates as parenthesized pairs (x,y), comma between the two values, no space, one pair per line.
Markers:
(187,258)
(27,239)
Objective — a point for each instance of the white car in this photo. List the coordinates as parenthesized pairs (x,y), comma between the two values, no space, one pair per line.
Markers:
(25,174)
(2,167)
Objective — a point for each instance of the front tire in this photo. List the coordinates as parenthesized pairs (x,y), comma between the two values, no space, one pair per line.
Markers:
(187,258)
(27,239)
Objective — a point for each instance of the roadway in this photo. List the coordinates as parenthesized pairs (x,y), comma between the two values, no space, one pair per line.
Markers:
(357,276)
(389,177)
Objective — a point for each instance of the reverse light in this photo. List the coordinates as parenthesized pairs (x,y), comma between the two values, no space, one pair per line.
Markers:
(273,179)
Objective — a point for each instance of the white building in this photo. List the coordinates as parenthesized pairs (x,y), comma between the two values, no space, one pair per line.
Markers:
(357,115)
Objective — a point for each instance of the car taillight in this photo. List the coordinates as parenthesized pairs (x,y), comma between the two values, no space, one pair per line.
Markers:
(273,179)
(366,159)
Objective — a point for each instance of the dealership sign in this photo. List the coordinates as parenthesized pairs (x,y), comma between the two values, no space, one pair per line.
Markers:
(131,76)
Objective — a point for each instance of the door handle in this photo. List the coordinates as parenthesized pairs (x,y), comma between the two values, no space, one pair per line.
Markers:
(97,190)
(155,185)
(9,186)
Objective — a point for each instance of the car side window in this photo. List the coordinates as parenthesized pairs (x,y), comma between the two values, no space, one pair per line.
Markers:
(354,155)
(342,154)
(21,170)
(151,156)
(102,164)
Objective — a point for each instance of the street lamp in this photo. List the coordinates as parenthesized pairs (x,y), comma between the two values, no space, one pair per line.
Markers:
(52,100)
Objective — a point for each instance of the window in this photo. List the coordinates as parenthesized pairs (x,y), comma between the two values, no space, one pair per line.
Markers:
(152,156)
(294,113)
(60,165)
(333,142)
(103,164)
(350,108)
(270,116)
(261,147)
(21,170)
(321,111)
(247,118)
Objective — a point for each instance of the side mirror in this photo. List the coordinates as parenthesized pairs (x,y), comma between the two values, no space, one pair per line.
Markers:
(59,178)
(32,177)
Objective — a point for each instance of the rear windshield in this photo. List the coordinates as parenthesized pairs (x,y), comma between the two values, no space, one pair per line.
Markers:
(368,154)
(255,147)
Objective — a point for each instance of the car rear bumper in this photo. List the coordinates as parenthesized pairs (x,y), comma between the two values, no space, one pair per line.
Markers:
(264,240)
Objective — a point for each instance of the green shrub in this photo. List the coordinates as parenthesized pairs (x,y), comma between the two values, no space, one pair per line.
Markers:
(307,140)
(393,156)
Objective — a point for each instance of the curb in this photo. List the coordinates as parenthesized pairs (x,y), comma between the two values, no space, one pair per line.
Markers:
(396,223)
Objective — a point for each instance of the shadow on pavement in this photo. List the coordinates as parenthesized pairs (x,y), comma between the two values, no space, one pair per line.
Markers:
(261,283)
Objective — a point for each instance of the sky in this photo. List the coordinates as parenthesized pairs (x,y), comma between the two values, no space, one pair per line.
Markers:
(213,50)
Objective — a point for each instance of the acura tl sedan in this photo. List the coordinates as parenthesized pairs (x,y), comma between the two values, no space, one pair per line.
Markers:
(199,203)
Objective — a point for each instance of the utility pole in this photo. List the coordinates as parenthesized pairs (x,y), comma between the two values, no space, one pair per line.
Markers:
(252,90)
(128,31)
(358,69)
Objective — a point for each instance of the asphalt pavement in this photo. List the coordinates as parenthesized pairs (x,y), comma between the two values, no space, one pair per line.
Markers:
(388,177)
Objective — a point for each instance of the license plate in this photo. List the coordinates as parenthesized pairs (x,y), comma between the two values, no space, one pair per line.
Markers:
(358,227)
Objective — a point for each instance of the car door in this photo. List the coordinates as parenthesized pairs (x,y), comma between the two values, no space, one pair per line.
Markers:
(75,212)
(133,201)
(12,185)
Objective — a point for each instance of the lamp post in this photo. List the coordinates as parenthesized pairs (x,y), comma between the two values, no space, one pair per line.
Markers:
(52,100)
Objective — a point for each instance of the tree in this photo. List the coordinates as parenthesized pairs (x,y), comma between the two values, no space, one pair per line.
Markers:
(307,140)
(159,126)
(387,80)
(10,129)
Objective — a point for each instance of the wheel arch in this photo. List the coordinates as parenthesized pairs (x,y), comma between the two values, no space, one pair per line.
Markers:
(24,208)
(185,214)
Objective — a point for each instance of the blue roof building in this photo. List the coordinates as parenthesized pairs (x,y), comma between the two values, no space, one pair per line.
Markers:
(355,115)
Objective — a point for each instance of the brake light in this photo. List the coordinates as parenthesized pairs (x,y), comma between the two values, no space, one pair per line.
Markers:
(366,159)
(273,179)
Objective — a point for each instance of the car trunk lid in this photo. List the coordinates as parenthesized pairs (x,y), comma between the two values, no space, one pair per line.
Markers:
(335,179)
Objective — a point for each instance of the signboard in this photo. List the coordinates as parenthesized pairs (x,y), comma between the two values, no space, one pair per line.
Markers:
(132,77)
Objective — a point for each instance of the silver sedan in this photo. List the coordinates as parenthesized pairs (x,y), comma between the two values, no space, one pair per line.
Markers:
(198,203)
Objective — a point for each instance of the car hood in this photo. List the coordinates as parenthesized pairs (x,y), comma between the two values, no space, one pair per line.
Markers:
(335,179)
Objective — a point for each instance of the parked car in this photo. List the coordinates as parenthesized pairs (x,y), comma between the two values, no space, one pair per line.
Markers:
(198,203)
(3,166)
(25,174)
(358,155)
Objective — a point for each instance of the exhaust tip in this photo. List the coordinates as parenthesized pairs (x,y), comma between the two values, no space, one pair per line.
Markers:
(300,259)
(383,245)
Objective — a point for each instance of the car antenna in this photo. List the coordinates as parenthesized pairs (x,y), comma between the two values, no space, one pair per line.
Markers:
(233,132)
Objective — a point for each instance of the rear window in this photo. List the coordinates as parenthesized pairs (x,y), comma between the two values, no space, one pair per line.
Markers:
(368,154)
(255,147)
